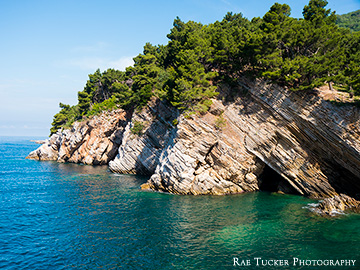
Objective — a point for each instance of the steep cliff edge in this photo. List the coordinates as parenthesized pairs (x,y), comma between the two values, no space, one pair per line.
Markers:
(268,138)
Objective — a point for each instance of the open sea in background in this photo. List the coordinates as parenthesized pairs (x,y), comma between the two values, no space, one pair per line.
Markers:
(68,216)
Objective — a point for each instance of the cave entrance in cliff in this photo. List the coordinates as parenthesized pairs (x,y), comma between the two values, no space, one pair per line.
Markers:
(270,180)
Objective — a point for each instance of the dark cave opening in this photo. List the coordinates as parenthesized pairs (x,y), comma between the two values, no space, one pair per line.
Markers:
(270,180)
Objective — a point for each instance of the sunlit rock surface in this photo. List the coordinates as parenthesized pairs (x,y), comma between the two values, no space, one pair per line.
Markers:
(93,141)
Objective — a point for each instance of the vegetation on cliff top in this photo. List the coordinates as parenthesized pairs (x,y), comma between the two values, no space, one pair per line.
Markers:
(299,54)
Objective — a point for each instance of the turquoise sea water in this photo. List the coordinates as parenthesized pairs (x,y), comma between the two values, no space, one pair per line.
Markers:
(66,216)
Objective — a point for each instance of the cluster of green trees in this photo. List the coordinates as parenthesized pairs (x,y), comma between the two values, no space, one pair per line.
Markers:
(350,20)
(295,53)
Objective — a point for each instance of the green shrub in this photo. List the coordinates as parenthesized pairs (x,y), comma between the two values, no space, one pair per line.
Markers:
(220,122)
(65,118)
(175,122)
(106,105)
(137,128)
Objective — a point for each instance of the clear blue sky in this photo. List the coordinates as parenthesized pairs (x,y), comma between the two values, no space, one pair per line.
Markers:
(48,48)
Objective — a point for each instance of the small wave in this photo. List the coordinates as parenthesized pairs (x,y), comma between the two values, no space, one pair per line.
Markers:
(337,212)
(313,207)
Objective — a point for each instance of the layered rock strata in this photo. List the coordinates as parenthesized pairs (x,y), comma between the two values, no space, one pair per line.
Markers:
(140,150)
(336,205)
(313,145)
(307,145)
(94,141)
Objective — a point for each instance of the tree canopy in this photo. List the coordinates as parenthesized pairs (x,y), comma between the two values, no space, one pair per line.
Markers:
(298,54)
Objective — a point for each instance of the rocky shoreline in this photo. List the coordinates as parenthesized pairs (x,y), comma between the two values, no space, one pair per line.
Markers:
(268,138)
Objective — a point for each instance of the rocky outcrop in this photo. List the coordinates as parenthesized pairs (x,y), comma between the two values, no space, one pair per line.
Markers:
(140,150)
(49,150)
(342,202)
(38,141)
(265,138)
(94,141)
(311,144)
(336,205)
(202,159)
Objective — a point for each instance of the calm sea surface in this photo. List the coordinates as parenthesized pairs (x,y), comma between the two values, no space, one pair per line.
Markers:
(66,216)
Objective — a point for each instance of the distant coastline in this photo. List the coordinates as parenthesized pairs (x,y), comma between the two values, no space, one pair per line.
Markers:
(38,141)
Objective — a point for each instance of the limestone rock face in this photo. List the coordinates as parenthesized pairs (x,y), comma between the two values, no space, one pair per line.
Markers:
(204,160)
(94,142)
(313,145)
(139,151)
(48,150)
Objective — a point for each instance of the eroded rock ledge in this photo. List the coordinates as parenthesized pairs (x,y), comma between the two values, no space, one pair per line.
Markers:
(337,205)
(309,146)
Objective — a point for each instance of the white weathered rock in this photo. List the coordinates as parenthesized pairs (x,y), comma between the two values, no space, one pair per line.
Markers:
(48,150)
(203,160)
(139,154)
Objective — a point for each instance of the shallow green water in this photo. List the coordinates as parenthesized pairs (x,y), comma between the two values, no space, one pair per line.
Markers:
(66,216)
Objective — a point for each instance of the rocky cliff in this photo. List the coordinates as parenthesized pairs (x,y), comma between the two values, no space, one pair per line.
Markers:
(139,152)
(93,141)
(267,138)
